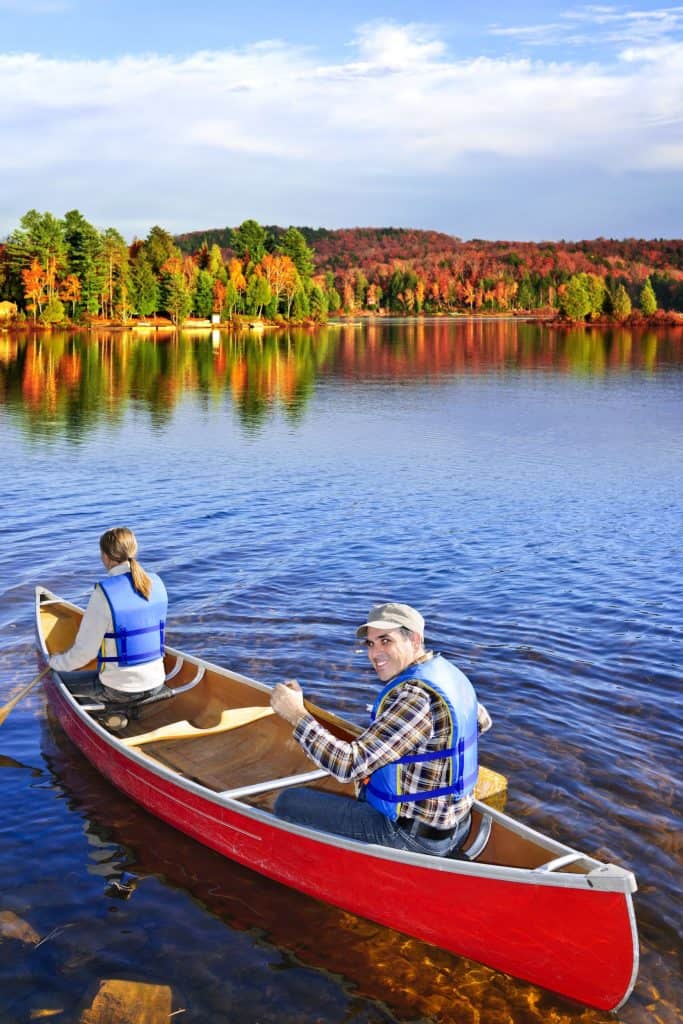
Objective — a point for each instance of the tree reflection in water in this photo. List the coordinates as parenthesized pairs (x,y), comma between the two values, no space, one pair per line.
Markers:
(67,383)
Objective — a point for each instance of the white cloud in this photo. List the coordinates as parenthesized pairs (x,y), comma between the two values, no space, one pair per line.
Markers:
(273,118)
(597,25)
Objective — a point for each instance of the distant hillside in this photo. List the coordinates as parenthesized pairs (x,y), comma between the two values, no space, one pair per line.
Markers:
(449,272)
(344,248)
(341,247)
(349,247)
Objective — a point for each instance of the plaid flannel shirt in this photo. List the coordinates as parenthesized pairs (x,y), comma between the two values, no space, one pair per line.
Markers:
(412,721)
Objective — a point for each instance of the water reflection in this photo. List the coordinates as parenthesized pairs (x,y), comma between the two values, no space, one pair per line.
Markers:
(62,382)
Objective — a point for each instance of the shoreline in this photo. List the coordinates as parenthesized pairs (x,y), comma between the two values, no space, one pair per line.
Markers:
(256,325)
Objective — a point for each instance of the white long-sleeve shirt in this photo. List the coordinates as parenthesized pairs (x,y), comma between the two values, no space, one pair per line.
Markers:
(95,623)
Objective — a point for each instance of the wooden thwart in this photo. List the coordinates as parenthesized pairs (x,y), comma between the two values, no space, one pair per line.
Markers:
(232,718)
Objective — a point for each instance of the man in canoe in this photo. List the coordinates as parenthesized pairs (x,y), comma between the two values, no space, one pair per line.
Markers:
(416,761)
(123,627)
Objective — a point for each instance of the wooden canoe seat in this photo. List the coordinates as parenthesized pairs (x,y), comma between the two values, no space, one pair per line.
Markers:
(232,718)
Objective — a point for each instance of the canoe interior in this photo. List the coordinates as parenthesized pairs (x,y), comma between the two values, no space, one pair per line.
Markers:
(264,750)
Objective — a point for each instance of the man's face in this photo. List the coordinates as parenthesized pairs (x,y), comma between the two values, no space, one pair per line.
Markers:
(390,652)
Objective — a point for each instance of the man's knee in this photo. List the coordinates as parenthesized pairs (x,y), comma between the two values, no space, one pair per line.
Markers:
(286,804)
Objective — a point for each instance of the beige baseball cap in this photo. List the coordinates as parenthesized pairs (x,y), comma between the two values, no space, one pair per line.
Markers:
(392,616)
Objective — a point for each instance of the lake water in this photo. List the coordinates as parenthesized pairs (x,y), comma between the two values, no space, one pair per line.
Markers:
(520,484)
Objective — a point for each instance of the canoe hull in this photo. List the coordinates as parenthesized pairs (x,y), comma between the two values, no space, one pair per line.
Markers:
(509,925)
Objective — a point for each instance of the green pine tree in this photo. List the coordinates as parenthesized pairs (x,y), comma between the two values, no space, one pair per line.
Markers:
(648,300)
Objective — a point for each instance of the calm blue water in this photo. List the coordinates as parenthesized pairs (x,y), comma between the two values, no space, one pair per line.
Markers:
(520,485)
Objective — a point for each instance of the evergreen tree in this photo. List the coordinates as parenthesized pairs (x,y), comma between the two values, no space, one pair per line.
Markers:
(575,300)
(53,312)
(176,297)
(597,293)
(525,293)
(216,267)
(160,248)
(114,271)
(258,294)
(202,298)
(144,285)
(621,303)
(231,297)
(293,244)
(300,308)
(648,301)
(83,249)
(318,304)
(249,241)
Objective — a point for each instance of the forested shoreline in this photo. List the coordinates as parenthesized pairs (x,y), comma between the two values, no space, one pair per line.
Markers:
(65,270)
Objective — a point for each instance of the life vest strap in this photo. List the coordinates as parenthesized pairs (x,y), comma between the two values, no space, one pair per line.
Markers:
(121,635)
(463,787)
(123,632)
(435,755)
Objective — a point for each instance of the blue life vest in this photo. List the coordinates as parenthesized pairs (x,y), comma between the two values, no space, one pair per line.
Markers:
(138,623)
(440,677)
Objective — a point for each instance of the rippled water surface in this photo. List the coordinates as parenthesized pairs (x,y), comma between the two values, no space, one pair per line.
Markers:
(520,484)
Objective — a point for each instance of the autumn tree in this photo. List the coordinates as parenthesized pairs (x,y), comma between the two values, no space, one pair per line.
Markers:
(70,291)
(35,285)
(219,294)
(281,275)
(236,276)
(40,237)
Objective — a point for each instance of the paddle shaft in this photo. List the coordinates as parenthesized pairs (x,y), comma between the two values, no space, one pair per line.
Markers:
(6,708)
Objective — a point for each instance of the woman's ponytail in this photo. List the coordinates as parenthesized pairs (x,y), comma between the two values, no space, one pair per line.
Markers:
(120,545)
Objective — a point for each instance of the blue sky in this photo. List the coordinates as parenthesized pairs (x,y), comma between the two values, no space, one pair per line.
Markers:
(508,120)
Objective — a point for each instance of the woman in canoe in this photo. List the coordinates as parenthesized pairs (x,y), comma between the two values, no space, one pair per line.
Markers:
(123,627)
(417,760)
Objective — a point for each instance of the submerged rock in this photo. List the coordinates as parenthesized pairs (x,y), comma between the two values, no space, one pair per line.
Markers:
(129,1002)
(14,927)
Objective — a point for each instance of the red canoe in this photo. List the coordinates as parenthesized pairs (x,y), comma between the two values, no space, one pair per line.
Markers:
(211,759)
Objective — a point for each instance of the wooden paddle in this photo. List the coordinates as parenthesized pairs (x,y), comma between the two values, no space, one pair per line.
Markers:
(6,708)
(231,718)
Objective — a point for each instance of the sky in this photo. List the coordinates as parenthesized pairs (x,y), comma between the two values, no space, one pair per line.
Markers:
(517,121)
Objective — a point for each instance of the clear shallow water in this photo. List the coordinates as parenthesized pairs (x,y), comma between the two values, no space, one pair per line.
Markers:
(521,485)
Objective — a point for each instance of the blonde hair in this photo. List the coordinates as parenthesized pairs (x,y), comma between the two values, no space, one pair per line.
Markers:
(119,544)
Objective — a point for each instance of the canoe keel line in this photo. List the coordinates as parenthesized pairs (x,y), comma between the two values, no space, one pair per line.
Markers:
(528,905)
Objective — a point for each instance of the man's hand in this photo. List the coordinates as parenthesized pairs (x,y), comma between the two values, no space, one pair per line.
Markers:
(287,700)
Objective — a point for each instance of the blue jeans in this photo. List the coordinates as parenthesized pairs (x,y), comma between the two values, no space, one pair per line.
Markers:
(89,685)
(358,819)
